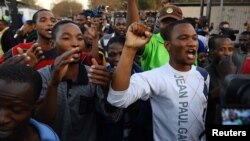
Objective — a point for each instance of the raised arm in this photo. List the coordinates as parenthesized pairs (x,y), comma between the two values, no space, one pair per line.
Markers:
(137,36)
(47,110)
(133,13)
(93,33)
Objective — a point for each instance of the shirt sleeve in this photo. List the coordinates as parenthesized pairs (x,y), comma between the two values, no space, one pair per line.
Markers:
(46,75)
(139,88)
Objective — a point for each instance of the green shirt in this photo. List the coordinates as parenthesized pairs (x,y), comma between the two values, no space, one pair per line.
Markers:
(155,54)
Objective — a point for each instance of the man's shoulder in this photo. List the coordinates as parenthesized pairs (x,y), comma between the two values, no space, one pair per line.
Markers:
(45,132)
(203,72)
(45,72)
(107,36)
(24,46)
(157,37)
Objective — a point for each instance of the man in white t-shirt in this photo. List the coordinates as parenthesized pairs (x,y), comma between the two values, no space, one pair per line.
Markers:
(177,90)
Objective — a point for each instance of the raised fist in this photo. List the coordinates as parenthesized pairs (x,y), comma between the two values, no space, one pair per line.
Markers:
(137,35)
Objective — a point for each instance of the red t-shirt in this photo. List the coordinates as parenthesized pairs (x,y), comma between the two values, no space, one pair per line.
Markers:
(49,56)
(246,66)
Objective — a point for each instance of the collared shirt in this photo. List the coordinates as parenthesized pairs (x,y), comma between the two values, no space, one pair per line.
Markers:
(77,106)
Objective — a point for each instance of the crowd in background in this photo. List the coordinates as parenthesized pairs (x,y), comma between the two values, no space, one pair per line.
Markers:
(80,86)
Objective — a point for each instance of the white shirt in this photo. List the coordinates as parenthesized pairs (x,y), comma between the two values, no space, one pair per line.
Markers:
(178,100)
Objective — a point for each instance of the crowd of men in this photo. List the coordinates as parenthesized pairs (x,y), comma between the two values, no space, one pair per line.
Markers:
(159,77)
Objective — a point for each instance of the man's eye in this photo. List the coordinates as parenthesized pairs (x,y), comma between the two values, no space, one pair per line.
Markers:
(53,20)
(111,55)
(17,109)
(80,38)
(65,38)
(183,38)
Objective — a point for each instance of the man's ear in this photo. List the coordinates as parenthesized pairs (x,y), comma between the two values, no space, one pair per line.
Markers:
(52,44)
(37,105)
(167,44)
(212,53)
(35,26)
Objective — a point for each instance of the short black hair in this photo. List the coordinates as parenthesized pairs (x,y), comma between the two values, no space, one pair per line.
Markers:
(166,34)
(116,19)
(34,18)
(212,41)
(56,27)
(245,33)
(30,22)
(24,74)
(223,23)
(116,39)
(190,20)
(83,14)
(4,22)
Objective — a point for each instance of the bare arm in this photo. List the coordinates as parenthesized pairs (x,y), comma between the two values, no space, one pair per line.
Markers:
(92,31)
(133,13)
(137,36)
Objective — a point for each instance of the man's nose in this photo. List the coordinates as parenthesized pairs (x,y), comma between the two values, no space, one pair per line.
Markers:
(75,43)
(4,117)
(227,53)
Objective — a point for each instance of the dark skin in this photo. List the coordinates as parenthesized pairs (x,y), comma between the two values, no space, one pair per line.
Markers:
(137,36)
(44,24)
(114,53)
(222,59)
(183,39)
(17,103)
(150,21)
(244,41)
(81,20)
(91,38)
(120,26)
(133,16)
(30,58)
(70,43)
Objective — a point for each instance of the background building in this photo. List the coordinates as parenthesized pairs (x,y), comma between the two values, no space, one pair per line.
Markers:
(236,12)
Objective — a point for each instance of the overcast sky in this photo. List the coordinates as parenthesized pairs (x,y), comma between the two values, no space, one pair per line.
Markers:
(47,3)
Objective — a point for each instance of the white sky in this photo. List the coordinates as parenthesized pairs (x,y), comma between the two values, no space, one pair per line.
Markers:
(48,3)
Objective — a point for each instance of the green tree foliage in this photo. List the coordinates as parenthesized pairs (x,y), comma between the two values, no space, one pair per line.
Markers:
(67,8)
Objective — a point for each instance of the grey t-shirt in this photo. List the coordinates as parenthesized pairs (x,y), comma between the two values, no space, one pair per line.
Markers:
(77,106)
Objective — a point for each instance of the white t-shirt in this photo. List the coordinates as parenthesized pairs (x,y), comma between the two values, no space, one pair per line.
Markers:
(178,100)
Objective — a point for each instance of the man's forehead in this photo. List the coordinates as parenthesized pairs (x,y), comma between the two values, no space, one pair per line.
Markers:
(180,28)
(16,96)
(12,98)
(120,20)
(224,41)
(67,26)
(244,36)
(44,14)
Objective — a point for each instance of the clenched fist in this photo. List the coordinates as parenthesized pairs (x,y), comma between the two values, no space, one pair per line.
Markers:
(137,35)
